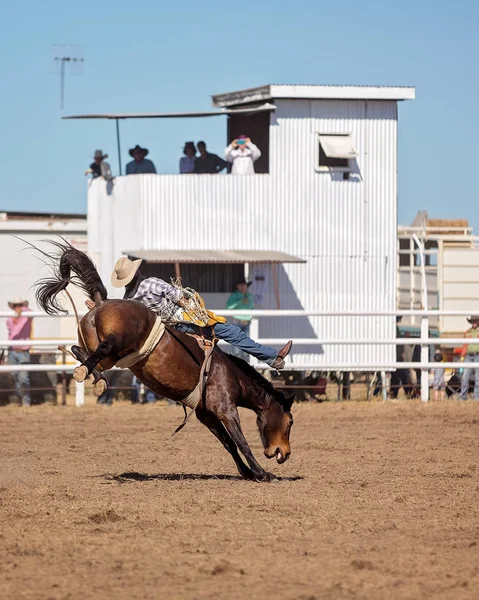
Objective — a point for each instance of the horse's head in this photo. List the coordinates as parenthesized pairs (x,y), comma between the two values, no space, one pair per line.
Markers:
(274,426)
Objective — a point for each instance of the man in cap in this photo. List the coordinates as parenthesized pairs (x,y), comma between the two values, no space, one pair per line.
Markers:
(163,298)
(241,299)
(470,353)
(139,165)
(20,328)
(100,168)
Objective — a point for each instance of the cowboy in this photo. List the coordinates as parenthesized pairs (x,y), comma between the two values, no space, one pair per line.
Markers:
(470,353)
(140,164)
(161,298)
(242,153)
(99,168)
(20,328)
(187,162)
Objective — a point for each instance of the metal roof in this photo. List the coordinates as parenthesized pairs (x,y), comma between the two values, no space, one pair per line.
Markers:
(176,115)
(214,256)
(318,92)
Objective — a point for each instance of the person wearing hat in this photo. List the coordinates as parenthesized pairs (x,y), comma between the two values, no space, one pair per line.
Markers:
(470,353)
(241,299)
(99,168)
(187,162)
(242,153)
(165,299)
(139,165)
(20,328)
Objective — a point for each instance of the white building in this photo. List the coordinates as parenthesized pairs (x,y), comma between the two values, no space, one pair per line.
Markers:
(21,267)
(452,270)
(318,217)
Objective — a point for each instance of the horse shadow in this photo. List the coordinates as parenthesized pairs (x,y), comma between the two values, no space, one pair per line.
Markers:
(130,476)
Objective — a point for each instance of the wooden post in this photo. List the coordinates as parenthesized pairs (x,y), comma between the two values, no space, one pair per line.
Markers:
(276,286)
(64,380)
(177,270)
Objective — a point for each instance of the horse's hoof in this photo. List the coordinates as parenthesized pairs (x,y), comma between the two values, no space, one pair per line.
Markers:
(80,374)
(100,387)
(265,476)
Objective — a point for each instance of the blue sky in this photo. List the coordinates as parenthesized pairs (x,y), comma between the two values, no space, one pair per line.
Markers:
(165,56)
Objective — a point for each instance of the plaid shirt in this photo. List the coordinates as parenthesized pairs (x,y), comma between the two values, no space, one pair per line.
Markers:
(159,296)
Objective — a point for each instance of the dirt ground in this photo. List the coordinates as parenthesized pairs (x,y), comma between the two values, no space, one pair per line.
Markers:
(380,501)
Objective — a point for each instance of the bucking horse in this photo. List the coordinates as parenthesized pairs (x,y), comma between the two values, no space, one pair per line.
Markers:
(115,329)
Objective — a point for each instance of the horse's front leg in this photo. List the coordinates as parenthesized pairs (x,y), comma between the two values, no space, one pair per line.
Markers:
(232,424)
(218,430)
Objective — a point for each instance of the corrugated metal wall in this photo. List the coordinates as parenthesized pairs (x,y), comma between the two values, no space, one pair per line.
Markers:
(345,229)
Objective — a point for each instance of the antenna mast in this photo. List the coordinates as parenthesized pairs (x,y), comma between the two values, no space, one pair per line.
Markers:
(63,57)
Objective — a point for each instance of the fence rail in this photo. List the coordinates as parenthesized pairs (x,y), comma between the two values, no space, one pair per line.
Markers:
(424,341)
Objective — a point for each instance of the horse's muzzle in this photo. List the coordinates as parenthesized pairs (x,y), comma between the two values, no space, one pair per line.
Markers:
(280,456)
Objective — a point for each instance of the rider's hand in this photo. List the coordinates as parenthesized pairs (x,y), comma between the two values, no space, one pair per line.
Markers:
(89,304)
(245,300)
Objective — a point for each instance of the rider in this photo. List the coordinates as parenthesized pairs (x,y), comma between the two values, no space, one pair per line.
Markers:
(158,295)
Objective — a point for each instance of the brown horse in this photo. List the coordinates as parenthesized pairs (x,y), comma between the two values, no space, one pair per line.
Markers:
(116,328)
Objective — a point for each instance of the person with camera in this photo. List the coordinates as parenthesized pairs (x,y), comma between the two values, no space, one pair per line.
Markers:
(242,154)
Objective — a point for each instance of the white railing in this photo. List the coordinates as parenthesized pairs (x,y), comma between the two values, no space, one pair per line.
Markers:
(424,365)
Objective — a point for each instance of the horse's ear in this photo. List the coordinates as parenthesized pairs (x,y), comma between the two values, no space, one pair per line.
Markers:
(288,402)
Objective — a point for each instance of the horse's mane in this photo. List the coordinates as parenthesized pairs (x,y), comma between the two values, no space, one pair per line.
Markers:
(265,386)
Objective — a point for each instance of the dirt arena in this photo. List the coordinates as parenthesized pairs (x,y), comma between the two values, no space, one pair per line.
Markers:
(380,501)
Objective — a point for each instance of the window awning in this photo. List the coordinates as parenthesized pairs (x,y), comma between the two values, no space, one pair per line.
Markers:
(338,146)
(214,256)
(178,115)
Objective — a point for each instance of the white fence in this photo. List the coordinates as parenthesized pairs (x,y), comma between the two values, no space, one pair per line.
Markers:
(424,341)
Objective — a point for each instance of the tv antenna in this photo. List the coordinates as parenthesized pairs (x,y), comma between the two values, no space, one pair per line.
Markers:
(64,57)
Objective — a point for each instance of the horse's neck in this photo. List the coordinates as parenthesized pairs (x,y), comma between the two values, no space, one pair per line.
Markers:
(258,401)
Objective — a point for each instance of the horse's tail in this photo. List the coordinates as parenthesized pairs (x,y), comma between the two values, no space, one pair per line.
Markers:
(69,266)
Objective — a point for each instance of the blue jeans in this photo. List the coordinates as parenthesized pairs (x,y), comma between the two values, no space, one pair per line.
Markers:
(244,326)
(467,375)
(236,337)
(21,378)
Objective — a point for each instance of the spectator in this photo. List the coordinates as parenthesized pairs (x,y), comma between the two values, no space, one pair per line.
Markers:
(400,377)
(150,396)
(187,162)
(208,163)
(438,383)
(20,328)
(241,299)
(242,153)
(470,352)
(140,164)
(99,168)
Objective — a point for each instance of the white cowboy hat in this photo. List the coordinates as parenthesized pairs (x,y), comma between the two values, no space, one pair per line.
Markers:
(17,301)
(124,271)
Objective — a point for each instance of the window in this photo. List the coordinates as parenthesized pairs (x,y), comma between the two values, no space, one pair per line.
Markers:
(335,152)
(205,278)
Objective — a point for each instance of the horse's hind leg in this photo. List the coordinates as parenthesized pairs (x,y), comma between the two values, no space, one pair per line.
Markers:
(100,383)
(103,350)
(217,429)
